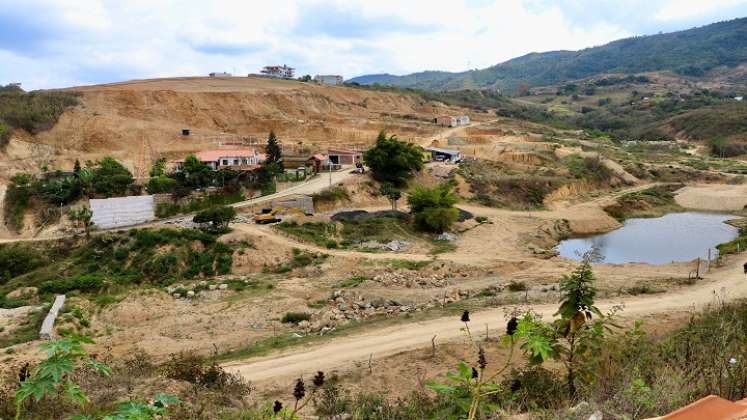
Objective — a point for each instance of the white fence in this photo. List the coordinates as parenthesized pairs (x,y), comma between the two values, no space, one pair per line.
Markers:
(122,211)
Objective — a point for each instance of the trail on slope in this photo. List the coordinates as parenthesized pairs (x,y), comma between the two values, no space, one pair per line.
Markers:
(343,352)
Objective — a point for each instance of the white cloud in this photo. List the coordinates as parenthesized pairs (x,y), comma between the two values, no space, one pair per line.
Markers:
(53,43)
(685,9)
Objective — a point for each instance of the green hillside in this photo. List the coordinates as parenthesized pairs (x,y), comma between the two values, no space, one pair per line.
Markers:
(691,52)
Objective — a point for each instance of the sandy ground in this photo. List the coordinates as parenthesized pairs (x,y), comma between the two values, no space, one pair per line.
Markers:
(713,197)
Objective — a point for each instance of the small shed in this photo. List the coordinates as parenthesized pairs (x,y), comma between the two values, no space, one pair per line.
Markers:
(345,156)
(444,155)
(299,201)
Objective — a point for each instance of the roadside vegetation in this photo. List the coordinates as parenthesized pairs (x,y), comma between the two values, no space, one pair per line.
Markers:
(113,262)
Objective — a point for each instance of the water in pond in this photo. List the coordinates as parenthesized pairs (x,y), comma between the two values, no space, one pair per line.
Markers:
(661,240)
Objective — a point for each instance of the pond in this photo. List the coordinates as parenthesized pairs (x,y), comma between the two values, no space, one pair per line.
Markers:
(661,240)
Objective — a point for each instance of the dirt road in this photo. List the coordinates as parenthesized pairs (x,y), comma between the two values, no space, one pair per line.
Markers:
(340,354)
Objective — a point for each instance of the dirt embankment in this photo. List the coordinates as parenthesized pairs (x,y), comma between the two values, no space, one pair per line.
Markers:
(713,197)
(142,120)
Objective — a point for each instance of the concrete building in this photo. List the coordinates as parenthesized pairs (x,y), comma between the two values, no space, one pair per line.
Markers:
(449,121)
(344,156)
(444,155)
(239,159)
(220,74)
(279,71)
(328,79)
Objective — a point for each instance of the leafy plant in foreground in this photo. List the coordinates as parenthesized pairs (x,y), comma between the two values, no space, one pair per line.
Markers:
(54,375)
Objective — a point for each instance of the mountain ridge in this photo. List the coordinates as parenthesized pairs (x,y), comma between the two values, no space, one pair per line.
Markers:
(689,53)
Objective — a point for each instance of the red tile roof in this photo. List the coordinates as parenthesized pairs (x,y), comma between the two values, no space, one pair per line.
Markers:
(710,408)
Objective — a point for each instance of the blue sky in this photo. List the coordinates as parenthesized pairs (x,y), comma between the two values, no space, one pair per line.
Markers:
(58,43)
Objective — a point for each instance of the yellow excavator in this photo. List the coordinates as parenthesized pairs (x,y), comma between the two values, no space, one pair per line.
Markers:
(274,215)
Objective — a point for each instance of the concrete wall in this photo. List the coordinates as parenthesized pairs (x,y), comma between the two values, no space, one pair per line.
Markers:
(122,211)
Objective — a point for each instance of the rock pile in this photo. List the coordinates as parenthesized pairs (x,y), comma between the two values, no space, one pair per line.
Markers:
(409,280)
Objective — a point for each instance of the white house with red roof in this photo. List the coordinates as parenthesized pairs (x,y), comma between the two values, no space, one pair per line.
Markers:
(235,159)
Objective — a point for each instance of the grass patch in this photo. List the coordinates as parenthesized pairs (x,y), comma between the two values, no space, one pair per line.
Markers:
(406,264)
(331,195)
(299,259)
(442,247)
(352,282)
(198,204)
(116,260)
(27,331)
(651,202)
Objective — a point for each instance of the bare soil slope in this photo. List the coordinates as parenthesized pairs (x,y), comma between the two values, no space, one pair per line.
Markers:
(140,120)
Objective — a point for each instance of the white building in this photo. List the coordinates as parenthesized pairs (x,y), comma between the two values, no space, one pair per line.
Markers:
(328,79)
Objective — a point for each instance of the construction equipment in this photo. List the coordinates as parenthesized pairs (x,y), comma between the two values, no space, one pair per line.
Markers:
(277,214)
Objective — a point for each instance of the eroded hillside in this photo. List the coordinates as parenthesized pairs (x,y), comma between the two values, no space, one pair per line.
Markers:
(135,120)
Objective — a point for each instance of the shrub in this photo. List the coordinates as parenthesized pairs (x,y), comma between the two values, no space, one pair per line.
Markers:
(111,178)
(331,244)
(17,259)
(515,286)
(434,207)
(17,199)
(331,195)
(5,132)
(83,283)
(161,185)
(218,216)
(295,317)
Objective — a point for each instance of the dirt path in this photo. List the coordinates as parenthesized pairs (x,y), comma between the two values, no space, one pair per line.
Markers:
(341,353)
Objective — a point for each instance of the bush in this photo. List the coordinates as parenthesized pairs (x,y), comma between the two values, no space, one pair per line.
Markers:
(17,259)
(161,185)
(17,200)
(433,208)
(111,178)
(520,286)
(82,283)
(5,132)
(295,317)
(218,216)
(331,195)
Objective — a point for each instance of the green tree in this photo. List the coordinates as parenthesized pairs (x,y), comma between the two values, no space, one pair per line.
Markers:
(196,174)
(218,217)
(83,217)
(433,208)
(17,199)
(159,168)
(76,168)
(392,193)
(111,178)
(273,151)
(392,160)
(61,191)
(55,375)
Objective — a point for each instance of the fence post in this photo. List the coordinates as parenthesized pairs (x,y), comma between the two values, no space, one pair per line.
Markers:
(709,260)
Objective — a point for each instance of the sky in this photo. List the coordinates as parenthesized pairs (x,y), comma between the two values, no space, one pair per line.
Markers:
(60,43)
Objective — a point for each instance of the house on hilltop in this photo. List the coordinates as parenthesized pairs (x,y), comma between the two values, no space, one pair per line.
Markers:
(279,71)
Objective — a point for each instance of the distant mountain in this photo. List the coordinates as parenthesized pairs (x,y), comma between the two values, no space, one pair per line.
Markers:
(692,52)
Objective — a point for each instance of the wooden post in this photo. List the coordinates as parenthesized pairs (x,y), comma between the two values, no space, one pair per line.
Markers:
(709,260)
(433,346)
